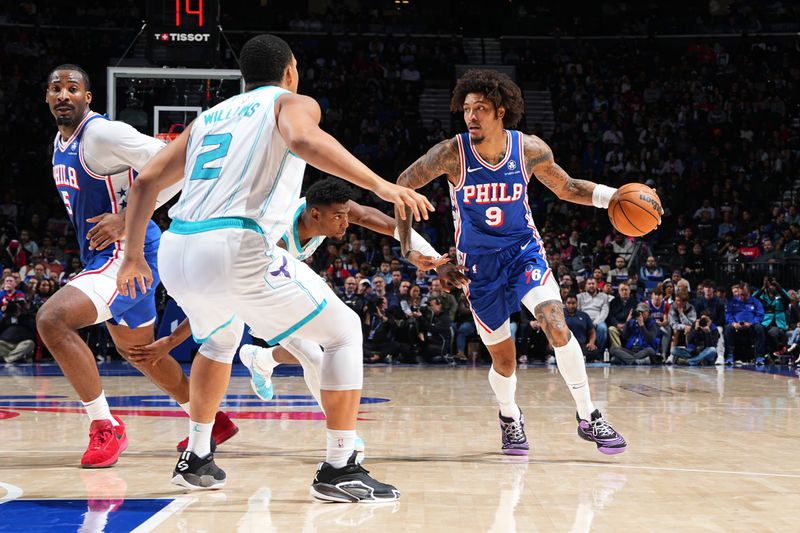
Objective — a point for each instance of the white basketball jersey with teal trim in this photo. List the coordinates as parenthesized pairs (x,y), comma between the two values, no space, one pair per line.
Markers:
(238,165)
(292,238)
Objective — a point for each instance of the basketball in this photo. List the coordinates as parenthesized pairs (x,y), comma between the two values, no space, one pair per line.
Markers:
(635,210)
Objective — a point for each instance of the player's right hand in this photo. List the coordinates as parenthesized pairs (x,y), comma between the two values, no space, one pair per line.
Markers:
(452,276)
(404,197)
(131,272)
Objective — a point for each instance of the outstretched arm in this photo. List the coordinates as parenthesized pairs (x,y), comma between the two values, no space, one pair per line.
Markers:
(298,123)
(371,218)
(442,158)
(539,160)
(427,257)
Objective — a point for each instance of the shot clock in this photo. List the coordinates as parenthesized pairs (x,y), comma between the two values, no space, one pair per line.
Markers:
(183,32)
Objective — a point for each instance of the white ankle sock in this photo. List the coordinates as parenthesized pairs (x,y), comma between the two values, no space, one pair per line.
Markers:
(199,438)
(341,443)
(573,369)
(504,389)
(185,407)
(98,409)
(264,360)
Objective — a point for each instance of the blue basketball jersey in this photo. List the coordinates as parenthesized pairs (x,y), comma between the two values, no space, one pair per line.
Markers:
(490,202)
(86,194)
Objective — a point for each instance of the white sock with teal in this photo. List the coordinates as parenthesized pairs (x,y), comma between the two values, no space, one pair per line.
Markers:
(341,443)
(98,409)
(505,388)
(264,360)
(199,438)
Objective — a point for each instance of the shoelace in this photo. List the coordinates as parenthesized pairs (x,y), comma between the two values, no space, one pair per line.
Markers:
(601,428)
(514,432)
(99,437)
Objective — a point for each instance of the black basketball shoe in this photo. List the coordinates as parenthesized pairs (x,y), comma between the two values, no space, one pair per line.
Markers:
(193,472)
(350,484)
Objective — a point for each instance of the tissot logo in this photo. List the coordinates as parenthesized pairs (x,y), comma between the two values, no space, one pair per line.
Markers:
(182,37)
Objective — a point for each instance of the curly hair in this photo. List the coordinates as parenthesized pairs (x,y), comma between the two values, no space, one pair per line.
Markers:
(498,88)
(327,192)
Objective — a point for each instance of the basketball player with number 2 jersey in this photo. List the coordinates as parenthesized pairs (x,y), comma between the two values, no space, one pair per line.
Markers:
(488,169)
(242,164)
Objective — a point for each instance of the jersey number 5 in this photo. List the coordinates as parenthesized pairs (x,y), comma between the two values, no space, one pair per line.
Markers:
(201,170)
(67,204)
(494,216)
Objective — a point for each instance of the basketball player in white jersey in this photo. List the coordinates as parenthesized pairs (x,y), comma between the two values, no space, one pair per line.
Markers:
(95,161)
(325,211)
(242,164)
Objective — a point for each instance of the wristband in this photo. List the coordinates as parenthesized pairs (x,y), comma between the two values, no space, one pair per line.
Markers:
(419,244)
(601,195)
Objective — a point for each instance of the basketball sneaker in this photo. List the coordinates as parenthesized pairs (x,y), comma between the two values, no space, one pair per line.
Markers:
(350,484)
(106,443)
(260,381)
(193,472)
(223,430)
(514,440)
(599,431)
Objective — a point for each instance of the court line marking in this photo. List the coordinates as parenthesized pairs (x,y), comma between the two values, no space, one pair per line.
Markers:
(174,507)
(12,492)
(668,469)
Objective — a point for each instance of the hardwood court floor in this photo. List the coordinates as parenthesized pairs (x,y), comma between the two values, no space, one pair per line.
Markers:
(709,450)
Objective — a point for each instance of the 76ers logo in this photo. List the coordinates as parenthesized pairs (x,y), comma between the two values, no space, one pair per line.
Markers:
(532,274)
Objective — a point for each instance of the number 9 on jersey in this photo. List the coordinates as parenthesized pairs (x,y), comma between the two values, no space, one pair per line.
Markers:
(494,217)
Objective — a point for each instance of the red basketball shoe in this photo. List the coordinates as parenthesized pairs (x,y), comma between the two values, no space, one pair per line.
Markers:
(106,443)
(223,429)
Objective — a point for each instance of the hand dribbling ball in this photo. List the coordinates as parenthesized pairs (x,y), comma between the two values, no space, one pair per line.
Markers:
(635,210)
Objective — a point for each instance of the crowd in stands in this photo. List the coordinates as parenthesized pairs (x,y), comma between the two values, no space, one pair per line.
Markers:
(712,126)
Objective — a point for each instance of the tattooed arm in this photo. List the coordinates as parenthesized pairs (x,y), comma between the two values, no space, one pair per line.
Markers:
(539,160)
(442,158)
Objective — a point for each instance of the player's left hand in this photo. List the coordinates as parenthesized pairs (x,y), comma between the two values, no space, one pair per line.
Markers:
(426,262)
(131,272)
(109,228)
(150,353)
(452,276)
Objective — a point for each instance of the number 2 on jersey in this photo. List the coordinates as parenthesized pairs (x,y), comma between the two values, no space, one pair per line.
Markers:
(494,216)
(201,170)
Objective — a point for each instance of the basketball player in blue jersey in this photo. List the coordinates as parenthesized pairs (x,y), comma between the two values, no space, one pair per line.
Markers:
(242,164)
(488,169)
(94,164)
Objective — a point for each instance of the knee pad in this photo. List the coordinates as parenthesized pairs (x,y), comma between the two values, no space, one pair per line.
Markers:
(338,330)
(221,346)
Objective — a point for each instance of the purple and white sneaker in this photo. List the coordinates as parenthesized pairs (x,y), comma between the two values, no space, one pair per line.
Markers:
(514,440)
(601,433)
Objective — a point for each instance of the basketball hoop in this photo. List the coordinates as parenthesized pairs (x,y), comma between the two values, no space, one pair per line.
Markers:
(172,134)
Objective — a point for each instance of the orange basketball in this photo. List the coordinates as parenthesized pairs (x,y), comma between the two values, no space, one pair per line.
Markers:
(635,210)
